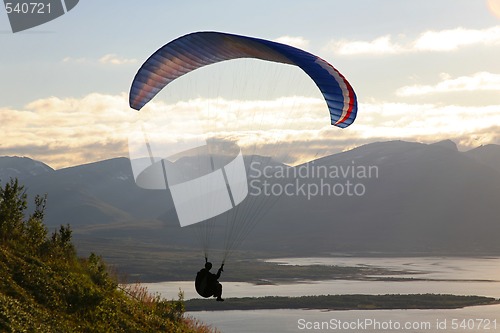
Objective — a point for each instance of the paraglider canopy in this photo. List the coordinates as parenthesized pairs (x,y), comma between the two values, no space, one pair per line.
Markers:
(199,49)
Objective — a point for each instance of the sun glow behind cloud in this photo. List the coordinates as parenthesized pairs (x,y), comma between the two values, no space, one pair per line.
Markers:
(494,7)
(65,132)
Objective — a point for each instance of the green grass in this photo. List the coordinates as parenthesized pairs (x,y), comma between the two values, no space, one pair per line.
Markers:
(72,295)
(45,287)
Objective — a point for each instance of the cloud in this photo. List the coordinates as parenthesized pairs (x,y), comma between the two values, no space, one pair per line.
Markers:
(378,46)
(476,82)
(428,41)
(468,126)
(107,59)
(299,42)
(453,39)
(80,60)
(64,132)
(70,131)
(114,59)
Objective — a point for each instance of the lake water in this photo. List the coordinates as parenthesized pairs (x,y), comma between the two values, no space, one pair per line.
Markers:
(459,276)
(473,319)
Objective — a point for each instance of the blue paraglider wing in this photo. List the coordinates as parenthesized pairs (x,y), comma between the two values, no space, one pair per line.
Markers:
(192,51)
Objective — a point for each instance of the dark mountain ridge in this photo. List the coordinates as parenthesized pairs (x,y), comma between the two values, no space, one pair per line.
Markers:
(430,199)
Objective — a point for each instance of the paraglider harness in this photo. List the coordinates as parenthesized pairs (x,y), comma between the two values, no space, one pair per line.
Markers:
(206,282)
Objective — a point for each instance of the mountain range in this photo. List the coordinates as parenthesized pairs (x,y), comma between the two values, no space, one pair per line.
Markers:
(403,198)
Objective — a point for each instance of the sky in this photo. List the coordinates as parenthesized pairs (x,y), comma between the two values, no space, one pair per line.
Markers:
(422,70)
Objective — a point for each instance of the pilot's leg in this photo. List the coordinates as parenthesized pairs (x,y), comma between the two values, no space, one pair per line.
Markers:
(218,292)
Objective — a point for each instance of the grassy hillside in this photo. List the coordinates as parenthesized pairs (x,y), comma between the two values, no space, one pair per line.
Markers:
(45,287)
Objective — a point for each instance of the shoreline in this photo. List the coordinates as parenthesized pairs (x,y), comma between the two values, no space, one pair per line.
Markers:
(342,302)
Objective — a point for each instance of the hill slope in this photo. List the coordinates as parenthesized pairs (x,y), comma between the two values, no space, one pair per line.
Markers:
(44,287)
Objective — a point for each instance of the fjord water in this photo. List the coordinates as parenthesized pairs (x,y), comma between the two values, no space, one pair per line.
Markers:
(439,275)
(473,319)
